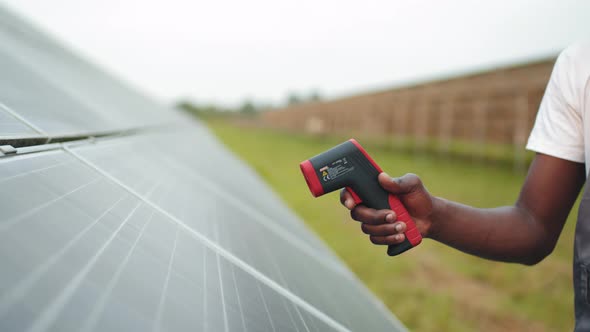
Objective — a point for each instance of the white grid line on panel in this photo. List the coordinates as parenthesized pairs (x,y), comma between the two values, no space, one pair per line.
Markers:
(24,285)
(233,274)
(205,290)
(288,310)
(228,255)
(282,279)
(48,316)
(99,306)
(272,324)
(5,225)
(283,301)
(380,306)
(160,311)
(225,321)
(35,171)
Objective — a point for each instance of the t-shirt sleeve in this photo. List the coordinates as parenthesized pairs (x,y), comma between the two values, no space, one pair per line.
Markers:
(558,129)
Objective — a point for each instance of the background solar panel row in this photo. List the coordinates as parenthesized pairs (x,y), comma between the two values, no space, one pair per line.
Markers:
(155,227)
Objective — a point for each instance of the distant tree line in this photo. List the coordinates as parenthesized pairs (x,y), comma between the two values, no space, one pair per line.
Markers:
(296,99)
(248,107)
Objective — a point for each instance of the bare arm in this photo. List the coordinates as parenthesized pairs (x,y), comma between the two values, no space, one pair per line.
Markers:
(525,232)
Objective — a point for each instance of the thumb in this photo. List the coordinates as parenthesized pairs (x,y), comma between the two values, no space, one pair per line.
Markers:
(400,186)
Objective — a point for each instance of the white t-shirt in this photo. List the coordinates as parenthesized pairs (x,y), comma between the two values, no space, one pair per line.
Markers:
(563,117)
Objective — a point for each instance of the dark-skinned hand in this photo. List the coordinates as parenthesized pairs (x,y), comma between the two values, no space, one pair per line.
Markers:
(381,225)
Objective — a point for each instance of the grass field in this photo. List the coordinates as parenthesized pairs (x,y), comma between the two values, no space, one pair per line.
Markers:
(433,287)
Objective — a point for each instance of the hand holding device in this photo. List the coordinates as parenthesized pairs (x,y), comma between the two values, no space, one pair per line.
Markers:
(349,166)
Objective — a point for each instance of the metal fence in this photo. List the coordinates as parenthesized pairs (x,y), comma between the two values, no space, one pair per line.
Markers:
(496,107)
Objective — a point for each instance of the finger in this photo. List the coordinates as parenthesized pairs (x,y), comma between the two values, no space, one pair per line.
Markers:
(401,185)
(371,216)
(387,240)
(383,229)
(346,199)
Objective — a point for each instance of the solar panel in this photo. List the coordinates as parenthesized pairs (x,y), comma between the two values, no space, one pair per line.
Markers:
(11,128)
(154,225)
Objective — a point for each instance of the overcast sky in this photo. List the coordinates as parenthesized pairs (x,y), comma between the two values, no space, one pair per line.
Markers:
(225,51)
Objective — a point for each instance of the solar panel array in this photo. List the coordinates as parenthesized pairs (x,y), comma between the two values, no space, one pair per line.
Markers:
(118,214)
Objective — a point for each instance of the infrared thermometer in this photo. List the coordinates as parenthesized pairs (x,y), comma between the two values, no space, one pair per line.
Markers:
(349,166)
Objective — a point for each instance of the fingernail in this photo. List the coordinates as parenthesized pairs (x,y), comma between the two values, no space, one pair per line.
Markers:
(348,203)
(389,218)
(398,237)
(398,227)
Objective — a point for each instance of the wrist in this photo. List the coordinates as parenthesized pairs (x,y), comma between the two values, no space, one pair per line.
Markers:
(439,206)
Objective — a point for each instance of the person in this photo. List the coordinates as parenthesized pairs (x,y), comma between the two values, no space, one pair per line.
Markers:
(527,231)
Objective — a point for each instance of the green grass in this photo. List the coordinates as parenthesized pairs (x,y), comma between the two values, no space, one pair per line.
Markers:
(433,287)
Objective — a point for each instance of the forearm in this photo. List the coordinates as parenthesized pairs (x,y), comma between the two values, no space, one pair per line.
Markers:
(507,233)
